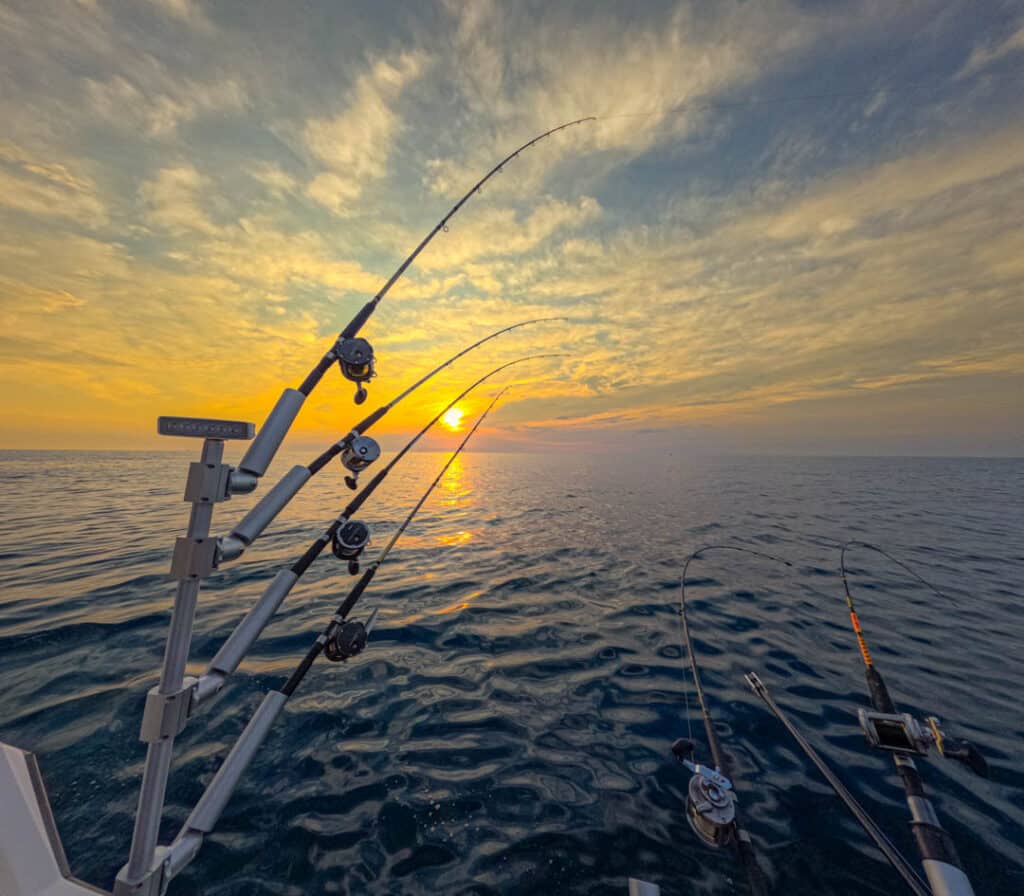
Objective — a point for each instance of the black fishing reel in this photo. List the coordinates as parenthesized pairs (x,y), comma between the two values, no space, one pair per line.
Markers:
(349,541)
(349,639)
(347,642)
(355,358)
(902,733)
(357,455)
(710,801)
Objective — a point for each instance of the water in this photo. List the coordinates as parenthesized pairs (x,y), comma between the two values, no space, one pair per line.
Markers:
(508,729)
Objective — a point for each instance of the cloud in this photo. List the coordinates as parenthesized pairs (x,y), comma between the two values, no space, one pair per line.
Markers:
(83,67)
(647,80)
(718,261)
(274,178)
(334,191)
(497,231)
(854,199)
(777,302)
(172,200)
(188,11)
(986,54)
(266,259)
(157,104)
(355,143)
(47,189)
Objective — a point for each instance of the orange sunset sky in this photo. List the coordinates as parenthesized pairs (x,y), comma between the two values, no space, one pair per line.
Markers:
(794,227)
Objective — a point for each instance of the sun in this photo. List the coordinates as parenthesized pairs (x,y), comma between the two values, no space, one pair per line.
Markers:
(452,419)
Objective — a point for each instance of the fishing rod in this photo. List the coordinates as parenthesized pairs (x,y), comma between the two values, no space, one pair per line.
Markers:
(895,857)
(353,354)
(904,737)
(711,798)
(196,555)
(357,452)
(348,539)
(339,641)
(711,808)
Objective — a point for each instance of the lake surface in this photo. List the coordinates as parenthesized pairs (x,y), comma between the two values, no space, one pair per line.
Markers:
(508,728)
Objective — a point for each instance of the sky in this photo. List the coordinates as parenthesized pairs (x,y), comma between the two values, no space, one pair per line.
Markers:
(794,227)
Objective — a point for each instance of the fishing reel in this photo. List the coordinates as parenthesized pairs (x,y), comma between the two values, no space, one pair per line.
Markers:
(355,358)
(357,455)
(349,640)
(903,734)
(710,800)
(349,541)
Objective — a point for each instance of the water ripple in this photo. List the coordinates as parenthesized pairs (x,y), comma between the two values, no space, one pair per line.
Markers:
(507,731)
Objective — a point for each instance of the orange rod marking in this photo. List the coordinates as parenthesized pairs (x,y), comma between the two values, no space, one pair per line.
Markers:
(864,652)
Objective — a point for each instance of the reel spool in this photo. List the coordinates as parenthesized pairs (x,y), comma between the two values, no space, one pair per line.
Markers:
(902,733)
(360,452)
(710,801)
(349,541)
(710,807)
(355,358)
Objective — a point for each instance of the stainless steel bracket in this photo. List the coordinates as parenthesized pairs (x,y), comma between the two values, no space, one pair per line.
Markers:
(165,715)
(152,883)
(193,557)
(208,483)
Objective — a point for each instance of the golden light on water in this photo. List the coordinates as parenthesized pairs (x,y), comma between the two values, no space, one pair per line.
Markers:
(453,488)
(452,419)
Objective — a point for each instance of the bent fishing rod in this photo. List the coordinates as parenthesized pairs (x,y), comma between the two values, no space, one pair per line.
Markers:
(904,737)
(339,641)
(353,354)
(882,841)
(357,452)
(711,798)
(196,555)
(711,805)
(348,539)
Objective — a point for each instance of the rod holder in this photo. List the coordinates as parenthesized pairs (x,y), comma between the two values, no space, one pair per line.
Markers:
(261,452)
(167,705)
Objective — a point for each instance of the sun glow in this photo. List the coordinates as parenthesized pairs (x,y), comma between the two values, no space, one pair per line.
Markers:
(452,419)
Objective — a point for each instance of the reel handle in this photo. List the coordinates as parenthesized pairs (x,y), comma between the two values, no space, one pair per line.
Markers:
(965,752)
(683,749)
(958,749)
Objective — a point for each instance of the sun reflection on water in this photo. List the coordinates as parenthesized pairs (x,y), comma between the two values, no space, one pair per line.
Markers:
(453,487)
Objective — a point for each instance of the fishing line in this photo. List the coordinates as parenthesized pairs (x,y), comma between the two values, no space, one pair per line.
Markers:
(885,845)
(855,621)
(686,643)
(357,452)
(324,641)
(339,641)
(906,87)
(348,538)
(353,354)
(744,845)
(904,566)
(711,803)
(904,737)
